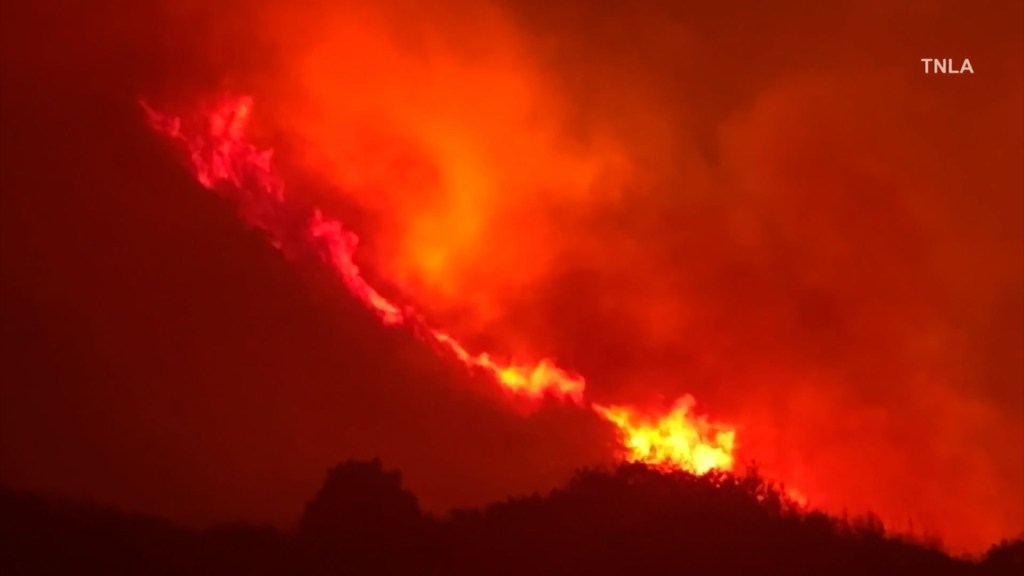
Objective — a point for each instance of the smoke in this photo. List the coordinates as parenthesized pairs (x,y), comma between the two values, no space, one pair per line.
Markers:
(776,211)
(440,128)
(771,208)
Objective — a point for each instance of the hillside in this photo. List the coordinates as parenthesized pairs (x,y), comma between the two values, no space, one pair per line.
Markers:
(626,520)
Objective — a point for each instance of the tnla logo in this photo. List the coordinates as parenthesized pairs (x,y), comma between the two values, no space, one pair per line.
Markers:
(945,66)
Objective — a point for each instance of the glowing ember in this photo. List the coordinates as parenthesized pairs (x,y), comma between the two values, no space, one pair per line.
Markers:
(224,161)
(677,439)
(797,498)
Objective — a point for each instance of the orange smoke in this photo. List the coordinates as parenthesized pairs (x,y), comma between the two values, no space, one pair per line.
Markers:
(452,142)
(223,160)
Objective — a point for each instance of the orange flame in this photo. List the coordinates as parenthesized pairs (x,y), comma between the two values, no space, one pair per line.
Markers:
(338,248)
(224,161)
(533,381)
(222,155)
(677,439)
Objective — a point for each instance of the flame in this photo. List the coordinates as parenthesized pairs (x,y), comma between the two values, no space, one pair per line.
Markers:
(222,155)
(224,161)
(533,381)
(675,440)
(338,246)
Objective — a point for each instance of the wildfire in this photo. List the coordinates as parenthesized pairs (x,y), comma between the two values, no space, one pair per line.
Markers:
(533,381)
(224,161)
(221,156)
(677,439)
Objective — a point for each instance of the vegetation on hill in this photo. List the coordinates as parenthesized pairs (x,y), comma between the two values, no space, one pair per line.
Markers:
(628,520)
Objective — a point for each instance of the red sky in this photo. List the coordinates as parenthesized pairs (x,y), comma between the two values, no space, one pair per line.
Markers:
(775,210)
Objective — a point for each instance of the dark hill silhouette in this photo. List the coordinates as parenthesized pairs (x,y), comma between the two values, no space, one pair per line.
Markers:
(626,520)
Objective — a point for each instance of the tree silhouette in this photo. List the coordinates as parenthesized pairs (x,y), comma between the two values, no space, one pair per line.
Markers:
(362,519)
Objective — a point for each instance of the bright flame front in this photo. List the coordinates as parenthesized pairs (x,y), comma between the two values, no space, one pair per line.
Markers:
(675,440)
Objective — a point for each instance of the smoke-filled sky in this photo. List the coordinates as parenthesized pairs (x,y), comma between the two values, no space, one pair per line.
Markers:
(771,208)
